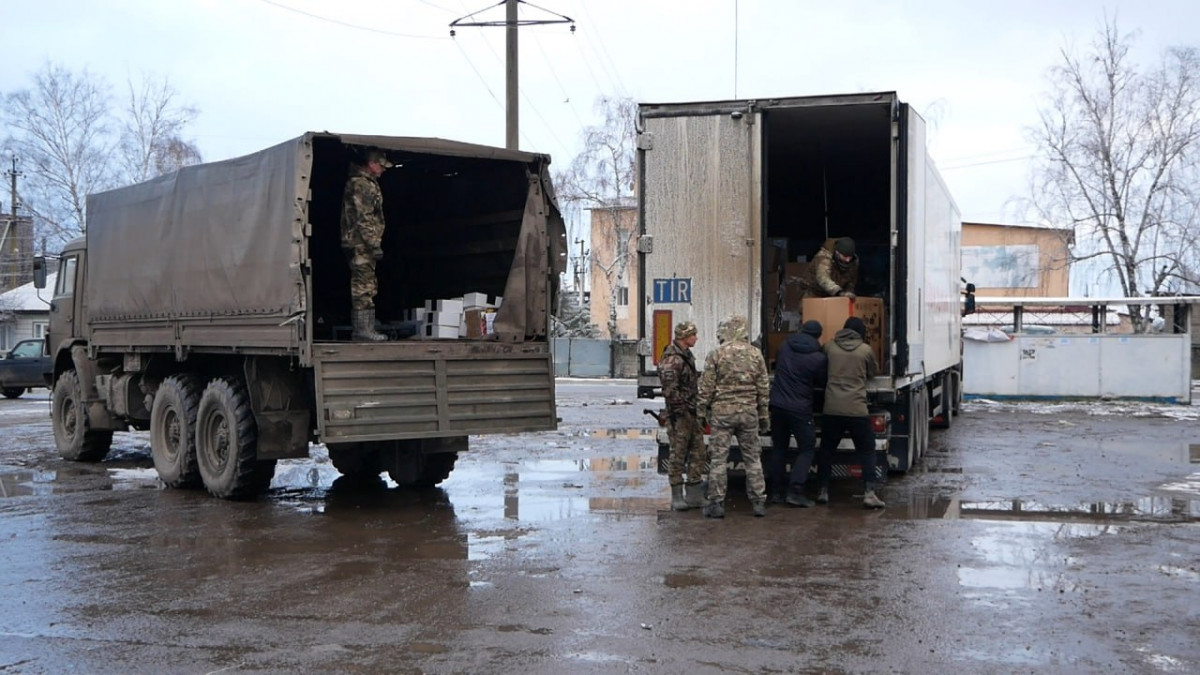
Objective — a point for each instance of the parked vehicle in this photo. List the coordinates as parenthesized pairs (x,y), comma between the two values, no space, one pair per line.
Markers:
(736,196)
(24,367)
(212,307)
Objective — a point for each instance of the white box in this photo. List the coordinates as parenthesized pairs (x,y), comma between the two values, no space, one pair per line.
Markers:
(475,300)
(441,332)
(418,313)
(443,319)
(453,306)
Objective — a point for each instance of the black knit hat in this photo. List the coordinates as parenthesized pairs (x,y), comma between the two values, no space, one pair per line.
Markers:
(856,324)
(812,327)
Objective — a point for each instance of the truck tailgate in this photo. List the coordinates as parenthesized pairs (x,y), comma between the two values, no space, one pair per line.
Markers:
(425,389)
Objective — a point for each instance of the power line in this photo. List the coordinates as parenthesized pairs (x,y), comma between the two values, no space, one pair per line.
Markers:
(350,25)
(483,80)
(616,76)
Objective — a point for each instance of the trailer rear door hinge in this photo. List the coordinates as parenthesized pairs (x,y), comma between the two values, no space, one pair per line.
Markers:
(645,244)
(645,141)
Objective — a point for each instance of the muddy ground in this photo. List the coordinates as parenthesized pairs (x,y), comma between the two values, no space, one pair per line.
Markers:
(1035,538)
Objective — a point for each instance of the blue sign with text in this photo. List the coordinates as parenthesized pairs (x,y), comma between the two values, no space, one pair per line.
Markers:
(673,290)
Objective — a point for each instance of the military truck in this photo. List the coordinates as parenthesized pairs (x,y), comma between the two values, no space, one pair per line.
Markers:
(211,306)
(736,197)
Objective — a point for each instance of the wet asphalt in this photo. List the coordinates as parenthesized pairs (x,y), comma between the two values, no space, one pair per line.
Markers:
(1034,538)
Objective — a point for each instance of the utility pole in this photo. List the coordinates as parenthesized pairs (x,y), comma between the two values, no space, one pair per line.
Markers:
(511,81)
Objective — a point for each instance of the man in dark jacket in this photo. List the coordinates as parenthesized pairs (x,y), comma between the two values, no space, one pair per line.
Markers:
(800,368)
(851,363)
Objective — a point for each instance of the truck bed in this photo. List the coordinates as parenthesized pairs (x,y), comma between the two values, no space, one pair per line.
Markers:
(422,389)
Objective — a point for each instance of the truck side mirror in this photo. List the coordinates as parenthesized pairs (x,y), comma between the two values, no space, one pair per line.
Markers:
(39,272)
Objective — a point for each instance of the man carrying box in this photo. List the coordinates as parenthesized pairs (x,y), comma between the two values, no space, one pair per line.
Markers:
(834,270)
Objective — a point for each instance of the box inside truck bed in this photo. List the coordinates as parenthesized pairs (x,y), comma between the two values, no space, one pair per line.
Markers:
(453,227)
(828,174)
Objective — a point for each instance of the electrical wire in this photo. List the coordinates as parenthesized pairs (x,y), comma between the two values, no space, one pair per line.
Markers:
(351,25)
(616,76)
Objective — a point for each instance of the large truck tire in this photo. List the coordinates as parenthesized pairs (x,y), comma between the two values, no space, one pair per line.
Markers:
(74,440)
(226,443)
(173,431)
(356,461)
(413,468)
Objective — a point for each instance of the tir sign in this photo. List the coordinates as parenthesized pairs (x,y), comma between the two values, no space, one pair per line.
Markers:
(673,290)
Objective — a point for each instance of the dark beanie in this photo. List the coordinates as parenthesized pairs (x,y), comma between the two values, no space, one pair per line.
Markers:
(856,324)
(812,327)
(845,246)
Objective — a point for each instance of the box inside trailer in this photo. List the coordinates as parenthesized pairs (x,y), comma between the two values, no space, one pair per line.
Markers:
(828,174)
(452,227)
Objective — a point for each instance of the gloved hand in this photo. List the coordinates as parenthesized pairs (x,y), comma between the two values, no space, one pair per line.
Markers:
(764,426)
(847,294)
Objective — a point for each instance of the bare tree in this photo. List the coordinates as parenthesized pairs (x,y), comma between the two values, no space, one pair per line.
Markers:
(72,142)
(152,124)
(602,177)
(1117,162)
(60,129)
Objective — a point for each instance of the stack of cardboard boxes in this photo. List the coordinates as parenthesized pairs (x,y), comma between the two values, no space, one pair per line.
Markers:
(470,316)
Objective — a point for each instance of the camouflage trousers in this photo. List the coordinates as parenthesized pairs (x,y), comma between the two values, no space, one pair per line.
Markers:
(687,449)
(743,426)
(362,279)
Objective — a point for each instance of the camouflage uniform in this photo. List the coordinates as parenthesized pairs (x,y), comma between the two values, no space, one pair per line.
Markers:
(734,391)
(677,372)
(362,235)
(826,277)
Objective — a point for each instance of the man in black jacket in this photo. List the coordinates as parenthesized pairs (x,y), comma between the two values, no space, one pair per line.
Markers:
(800,368)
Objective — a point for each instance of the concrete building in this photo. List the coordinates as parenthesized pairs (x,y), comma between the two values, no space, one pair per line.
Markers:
(614,270)
(1016,260)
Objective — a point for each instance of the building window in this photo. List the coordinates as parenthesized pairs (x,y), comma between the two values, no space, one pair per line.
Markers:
(623,296)
(40,328)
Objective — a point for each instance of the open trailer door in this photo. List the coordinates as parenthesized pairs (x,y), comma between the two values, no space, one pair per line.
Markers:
(701,243)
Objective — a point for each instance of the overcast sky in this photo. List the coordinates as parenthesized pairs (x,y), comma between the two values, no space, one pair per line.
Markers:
(264,71)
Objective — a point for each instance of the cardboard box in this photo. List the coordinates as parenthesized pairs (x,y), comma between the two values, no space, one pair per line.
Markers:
(833,312)
(441,332)
(774,339)
(472,300)
(475,322)
(443,318)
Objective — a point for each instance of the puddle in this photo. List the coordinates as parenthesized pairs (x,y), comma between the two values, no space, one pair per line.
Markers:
(26,483)
(629,433)
(134,479)
(683,580)
(1145,509)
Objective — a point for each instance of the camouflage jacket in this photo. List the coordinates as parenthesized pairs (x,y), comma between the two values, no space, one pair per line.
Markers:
(677,372)
(362,213)
(825,277)
(735,376)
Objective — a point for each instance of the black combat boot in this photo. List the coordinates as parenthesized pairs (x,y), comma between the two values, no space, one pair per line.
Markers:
(714,510)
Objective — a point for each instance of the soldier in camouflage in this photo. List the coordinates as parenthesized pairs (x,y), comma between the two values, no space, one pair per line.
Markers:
(834,270)
(677,372)
(362,240)
(734,391)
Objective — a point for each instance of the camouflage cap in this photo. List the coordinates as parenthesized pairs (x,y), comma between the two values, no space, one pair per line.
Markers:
(684,329)
(380,158)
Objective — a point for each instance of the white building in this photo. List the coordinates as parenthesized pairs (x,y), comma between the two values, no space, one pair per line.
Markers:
(25,313)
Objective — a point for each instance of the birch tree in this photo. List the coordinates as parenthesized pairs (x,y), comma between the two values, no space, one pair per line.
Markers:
(602,178)
(72,140)
(1117,162)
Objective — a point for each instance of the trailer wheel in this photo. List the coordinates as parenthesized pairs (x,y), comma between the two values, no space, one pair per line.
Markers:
(356,461)
(173,431)
(13,392)
(413,468)
(226,443)
(68,414)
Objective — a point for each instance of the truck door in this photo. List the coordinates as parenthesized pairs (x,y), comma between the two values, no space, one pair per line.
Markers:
(701,211)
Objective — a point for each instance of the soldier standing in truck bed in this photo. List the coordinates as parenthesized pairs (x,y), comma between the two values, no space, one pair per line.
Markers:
(362,240)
